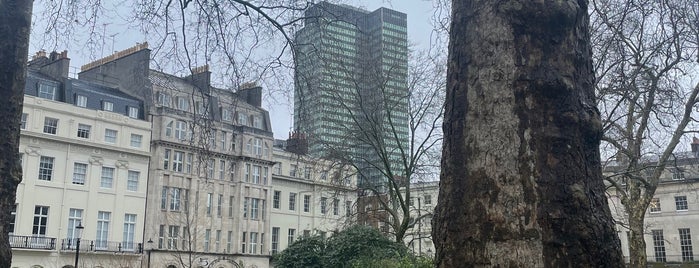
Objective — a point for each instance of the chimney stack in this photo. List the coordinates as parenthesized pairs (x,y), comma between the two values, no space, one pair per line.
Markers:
(55,66)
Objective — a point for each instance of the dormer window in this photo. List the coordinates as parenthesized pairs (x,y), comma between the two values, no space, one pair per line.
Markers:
(133,112)
(107,106)
(80,101)
(164,99)
(47,91)
(677,174)
(182,104)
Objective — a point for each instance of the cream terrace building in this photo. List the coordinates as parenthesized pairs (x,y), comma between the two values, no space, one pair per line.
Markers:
(672,218)
(85,152)
(310,197)
(211,164)
(423,199)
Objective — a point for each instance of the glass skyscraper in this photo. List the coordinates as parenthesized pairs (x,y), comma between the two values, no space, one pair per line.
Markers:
(351,94)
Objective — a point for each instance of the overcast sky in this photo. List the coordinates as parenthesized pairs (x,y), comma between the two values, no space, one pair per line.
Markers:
(119,37)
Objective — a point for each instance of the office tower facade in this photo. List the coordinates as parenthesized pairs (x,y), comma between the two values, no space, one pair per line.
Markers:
(351,95)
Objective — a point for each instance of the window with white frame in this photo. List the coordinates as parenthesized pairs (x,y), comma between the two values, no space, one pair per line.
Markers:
(290,238)
(41,219)
(428,199)
(254,208)
(677,174)
(323,205)
(248,168)
(178,161)
(265,175)
(226,114)
(166,159)
(659,246)
(292,201)
(133,112)
(257,122)
(229,242)
(307,203)
(129,231)
(46,168)
(292,170)
(132,181)
(686,244)
(110,136)
(219,205)
(222,169)
(173,234)
(188,165)
(231,201)
(136,140)
(161,236)
(107,178)
(217,243)
(256,174)
(654,205)
(84,131)
(182,104)
(168,129)
(102,234)
(336,207)
(47,91)
(253,243)
(681,203)
(50,125)
(243,242)
(23,123)
(79,173)
(207,239)
(277,169)
(75,218)
(212,139)
(275,240)
(175,196)
(13,218)
(107,106)
(81,101)
(164,99)
(242,119)
(181,130)
(307,173)
(276,199)
(257,146)
(246,201)
(210,168)
(224,136)
(209,203)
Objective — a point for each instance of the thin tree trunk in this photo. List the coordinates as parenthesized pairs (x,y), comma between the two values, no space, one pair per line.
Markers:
(15,20)
(521,182)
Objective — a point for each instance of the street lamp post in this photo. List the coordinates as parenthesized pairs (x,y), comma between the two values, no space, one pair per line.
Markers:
(150,248)
(78,234)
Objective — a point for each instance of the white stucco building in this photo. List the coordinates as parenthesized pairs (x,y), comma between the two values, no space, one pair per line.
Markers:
(85,155)
(310,197)
(672,218)
(211,164)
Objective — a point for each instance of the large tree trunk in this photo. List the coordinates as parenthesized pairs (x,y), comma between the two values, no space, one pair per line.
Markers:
(521,182)
(15,20)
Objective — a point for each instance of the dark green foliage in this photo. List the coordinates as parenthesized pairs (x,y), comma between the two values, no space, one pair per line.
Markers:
(360,242)
(305,252)
(357,246)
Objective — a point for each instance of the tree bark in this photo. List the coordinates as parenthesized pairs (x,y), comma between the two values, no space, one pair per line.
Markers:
(637,244)
(15,21)
(521,182)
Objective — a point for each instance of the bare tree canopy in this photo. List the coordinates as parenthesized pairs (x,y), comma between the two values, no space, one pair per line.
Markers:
(521,182)
(645,54)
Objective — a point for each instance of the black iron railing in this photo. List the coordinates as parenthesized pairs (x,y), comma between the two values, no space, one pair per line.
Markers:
(32,242)
(102,245)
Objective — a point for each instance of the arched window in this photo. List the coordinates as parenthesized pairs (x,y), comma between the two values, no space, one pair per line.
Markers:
(168,129)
